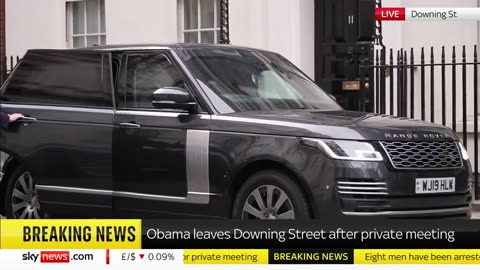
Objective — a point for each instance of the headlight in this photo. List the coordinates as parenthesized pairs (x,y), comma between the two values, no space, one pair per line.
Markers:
(463,151)
(345,150)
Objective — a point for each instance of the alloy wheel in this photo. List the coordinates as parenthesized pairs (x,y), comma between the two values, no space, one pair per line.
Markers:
(268,202)
(25,202)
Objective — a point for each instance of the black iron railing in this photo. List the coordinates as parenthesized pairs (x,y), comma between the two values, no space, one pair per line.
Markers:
(7,64)
(442,91)
(224,22)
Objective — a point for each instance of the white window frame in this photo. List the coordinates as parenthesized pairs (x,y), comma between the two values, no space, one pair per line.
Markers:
(69,24)
(181,23)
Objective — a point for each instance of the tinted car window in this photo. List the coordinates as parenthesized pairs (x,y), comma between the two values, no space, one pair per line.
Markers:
(242,80)
(144,74)
(61,78)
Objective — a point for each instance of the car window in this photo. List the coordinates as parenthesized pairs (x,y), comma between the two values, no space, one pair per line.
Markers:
(51,77)
(143,75)
(272,86)
(249,80)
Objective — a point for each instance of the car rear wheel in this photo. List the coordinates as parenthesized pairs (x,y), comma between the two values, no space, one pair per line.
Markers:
(21,200)
(270,194)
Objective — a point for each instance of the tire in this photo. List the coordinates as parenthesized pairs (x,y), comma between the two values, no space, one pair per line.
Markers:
(21,198)
(281,186)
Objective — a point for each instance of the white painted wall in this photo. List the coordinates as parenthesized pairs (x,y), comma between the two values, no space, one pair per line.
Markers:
(419,34)
(306,36)
(393,31)
(34,24)
(41,24)
(427,34)
(283,26)
(141,21)
(422,33)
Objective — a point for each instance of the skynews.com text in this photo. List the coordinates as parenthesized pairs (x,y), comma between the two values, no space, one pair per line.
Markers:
(56,256)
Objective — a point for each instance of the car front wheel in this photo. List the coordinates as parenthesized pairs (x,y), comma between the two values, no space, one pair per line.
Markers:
(270,194)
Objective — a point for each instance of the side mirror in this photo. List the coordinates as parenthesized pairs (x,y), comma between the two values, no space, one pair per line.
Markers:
(333,97)
(173,98)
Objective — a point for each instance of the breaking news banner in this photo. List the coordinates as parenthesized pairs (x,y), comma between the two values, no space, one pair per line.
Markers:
(427,14)
(202,244)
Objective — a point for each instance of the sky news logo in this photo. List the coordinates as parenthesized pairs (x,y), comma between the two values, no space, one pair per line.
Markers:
(48,256)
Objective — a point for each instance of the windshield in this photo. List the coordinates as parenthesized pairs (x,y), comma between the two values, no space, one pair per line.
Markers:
(239,80)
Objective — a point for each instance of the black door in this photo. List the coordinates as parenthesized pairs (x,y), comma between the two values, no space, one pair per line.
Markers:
(344,35)
(160,157)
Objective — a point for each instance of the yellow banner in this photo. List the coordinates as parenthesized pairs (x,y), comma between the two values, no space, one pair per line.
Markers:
(70,234)
(417,256)
(225,256)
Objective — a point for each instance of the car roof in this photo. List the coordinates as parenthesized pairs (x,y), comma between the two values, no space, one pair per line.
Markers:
(124,47)
(139,47)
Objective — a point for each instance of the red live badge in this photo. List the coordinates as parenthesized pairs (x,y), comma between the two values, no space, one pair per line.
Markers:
(390,14)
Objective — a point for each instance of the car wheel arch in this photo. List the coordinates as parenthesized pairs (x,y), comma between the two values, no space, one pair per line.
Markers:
(10,165)
(255,166)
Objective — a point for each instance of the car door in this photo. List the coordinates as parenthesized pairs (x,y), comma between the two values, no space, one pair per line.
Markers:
(160,156)
(65,143)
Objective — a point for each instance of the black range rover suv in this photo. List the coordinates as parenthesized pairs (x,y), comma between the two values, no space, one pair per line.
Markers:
(211,131)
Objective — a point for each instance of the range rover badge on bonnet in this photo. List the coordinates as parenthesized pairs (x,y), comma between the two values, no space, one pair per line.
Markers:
(415,136)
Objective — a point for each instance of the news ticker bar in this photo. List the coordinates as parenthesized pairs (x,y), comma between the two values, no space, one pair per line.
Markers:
(230,234)
(427,14)
(160,257)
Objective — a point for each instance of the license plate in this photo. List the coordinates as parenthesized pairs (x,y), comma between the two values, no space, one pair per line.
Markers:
(435,185)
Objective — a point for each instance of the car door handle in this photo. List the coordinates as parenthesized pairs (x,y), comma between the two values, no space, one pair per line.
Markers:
(27,120)
(129,125)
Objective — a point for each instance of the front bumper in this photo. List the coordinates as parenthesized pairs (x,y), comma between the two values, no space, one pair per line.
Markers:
(460,212)
(384,192)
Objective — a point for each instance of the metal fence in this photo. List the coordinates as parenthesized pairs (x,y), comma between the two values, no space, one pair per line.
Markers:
(442,90)
(7,64)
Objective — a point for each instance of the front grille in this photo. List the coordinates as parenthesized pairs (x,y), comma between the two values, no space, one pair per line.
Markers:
(423,155)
